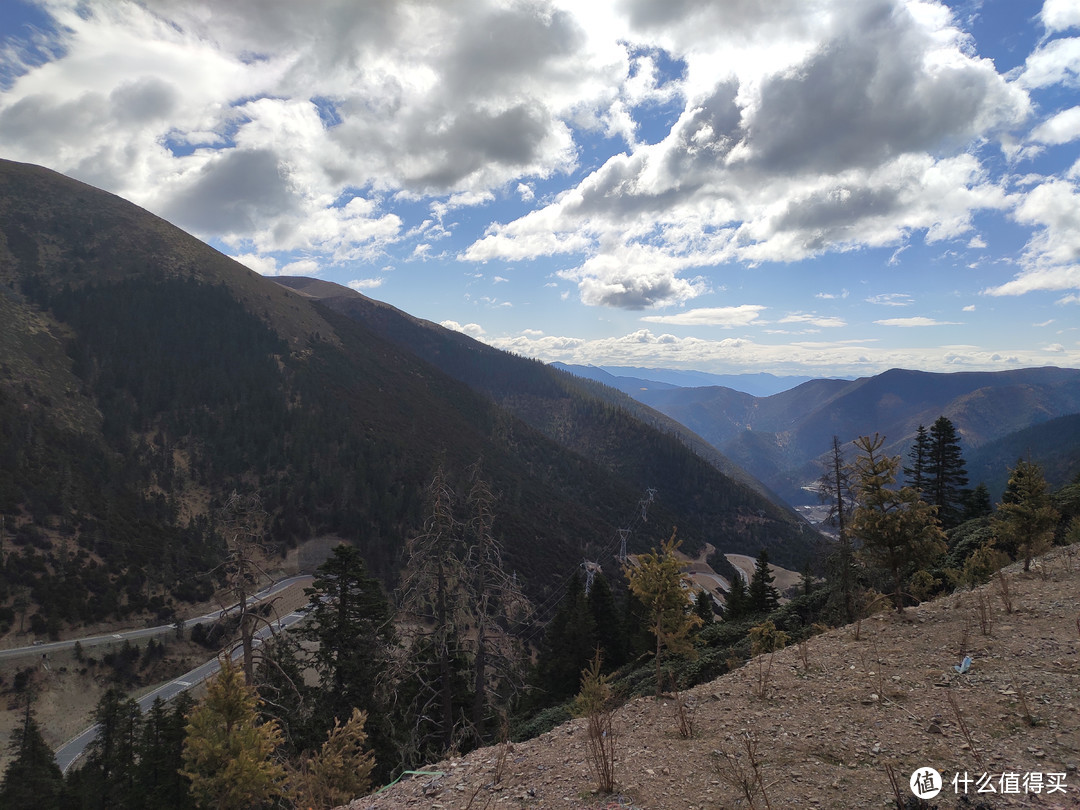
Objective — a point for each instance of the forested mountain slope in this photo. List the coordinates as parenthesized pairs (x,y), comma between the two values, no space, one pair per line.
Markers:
(145,376)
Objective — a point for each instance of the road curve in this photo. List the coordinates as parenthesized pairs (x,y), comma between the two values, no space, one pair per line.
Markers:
(146,632)
(68,753)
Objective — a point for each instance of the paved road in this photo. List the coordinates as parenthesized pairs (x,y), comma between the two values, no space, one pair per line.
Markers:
(69,752)
(146,632)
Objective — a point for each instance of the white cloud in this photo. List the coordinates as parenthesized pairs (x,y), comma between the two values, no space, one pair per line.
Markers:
(914,321)
(359,284)
(780,158)
(1060,15)
(1056,62)
(473,330)
(891,299)
(821,321)
(844,357)
(1061,128)
(969,308)
(727,317)
(1051,259)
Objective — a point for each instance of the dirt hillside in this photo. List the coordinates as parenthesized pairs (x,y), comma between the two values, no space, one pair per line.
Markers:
(837,714)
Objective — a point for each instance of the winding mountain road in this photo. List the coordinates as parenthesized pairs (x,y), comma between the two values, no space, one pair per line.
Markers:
(69,752)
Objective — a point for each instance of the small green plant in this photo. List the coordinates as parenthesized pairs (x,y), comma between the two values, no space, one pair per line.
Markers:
(596,704)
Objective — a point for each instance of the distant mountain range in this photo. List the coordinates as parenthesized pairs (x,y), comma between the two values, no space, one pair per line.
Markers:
(630,379)
(780,439)
(145,376)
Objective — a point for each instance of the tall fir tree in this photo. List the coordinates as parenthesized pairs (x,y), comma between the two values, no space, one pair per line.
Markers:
(107,780)
(899,531)
(158,778)
(1025,520)
(608,621)
(32,780)
(919,454)
(351,627)
(570,641)
(737,603)
(762,596)
(946,479)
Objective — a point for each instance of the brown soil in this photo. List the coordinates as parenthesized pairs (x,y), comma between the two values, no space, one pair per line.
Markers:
(837,715)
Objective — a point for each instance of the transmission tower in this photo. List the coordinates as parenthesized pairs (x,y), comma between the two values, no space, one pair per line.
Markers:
(621,556)
(591,569)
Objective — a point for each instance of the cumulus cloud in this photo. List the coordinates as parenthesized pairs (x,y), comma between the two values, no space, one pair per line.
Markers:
(1060,15)
(1051,258)
(473,330)
(1063,127)
(785,158)
(360,284)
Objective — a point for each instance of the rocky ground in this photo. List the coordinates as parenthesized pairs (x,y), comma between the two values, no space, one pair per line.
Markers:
(838,714)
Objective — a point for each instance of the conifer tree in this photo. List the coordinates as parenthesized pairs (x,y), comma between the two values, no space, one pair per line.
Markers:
(32,779)
(339,772)
(352,626)
(158,781)
(762,596)
(608,620)
(228,753)
(1025,520)
(569,643)
(946,479)
(899,531)
(736,606)
(107,780)
(658,581)
(703,607)
(920,455)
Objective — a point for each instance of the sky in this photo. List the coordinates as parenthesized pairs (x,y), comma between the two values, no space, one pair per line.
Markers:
(811,187)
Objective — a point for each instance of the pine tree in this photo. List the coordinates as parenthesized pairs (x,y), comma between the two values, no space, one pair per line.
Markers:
(920,455)
(228,753)
(108,777)
(946,479)
(1025,520)
(158,781)
(737,604)
(608,621)
(703,607)
(32,780)
(570,641)
(352,626)
(658,581)
(899,531)
(339,772)
(762,596)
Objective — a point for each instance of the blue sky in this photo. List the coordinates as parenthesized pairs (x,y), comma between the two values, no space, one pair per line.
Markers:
(824,187)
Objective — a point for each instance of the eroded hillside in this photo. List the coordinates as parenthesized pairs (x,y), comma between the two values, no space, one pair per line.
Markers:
(836,715)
